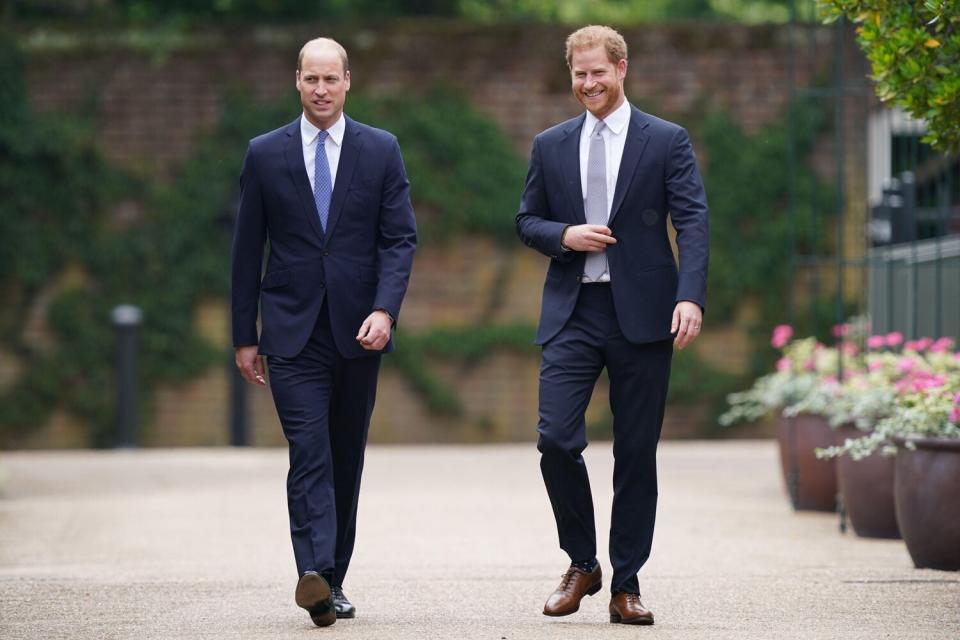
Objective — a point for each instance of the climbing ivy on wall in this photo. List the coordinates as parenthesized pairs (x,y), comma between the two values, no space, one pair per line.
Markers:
(748,184)
(70,250)
(56,189)
(81,236)
(465,176)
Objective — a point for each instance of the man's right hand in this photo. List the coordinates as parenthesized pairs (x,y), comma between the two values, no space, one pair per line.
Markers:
(250,365)
(587,237)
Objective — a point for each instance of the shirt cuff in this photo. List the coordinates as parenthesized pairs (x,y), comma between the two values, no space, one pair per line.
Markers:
(393,321)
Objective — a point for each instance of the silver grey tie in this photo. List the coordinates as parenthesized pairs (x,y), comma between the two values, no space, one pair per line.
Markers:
(596,200)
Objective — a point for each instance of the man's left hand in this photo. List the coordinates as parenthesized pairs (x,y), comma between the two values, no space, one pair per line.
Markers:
(375,331)
(687,318)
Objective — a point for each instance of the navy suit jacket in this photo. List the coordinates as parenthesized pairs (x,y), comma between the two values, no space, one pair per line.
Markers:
(360,264)
(658,176)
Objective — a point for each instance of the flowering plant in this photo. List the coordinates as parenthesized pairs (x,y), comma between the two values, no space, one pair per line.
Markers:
(802,364)
(913,392)
(894,387)
(929,412)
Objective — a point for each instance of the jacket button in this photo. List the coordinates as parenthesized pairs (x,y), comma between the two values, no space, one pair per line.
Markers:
(326,253)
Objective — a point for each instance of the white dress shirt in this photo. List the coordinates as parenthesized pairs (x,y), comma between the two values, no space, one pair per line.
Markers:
(614,139)
(308,136)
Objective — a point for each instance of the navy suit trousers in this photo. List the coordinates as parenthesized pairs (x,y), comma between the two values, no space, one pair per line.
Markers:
(324,402)
(572,361)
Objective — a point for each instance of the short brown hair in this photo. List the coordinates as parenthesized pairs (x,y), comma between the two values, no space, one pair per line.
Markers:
(593,35)
(328,42)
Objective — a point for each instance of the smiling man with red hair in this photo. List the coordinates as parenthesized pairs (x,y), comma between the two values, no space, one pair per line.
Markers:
(597,198)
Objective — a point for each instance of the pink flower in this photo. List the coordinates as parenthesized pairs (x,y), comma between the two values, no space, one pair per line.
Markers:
(930,382)
(894,338)
(783,364)
(781,336)
(942,344)
(955,415)
(923,343)
(830,380)
(810,365)
(876,342)
(906,365)
(840,330)
(875,365)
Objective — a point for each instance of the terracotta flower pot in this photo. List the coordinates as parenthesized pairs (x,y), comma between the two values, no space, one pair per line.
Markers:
(927,496)
(866,486)
(811,483)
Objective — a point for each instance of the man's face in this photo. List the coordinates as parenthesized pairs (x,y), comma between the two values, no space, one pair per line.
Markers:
(597,82)
(323,86)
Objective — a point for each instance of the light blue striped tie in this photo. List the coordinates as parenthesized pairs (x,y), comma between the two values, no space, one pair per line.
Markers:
(322,184)
(595,206)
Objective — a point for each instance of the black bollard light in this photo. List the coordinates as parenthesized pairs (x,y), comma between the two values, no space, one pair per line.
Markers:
(238,405)
(239,426)
(126,321)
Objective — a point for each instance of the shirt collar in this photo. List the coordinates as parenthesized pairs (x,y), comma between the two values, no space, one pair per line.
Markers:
(616,121)
(308,132)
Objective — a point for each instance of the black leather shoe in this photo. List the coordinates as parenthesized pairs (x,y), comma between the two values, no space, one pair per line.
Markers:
(341,604)
(313,594)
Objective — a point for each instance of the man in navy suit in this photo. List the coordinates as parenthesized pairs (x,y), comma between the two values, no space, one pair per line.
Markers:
(597,196)
(332,198)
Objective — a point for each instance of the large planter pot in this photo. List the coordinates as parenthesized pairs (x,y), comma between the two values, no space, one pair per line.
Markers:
(866,487)
(811,483)
(927,497)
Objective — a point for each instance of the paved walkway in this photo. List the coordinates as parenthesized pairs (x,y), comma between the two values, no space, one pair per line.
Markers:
(454,542)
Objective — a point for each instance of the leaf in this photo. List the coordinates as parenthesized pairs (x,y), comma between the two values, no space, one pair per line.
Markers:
(932,43)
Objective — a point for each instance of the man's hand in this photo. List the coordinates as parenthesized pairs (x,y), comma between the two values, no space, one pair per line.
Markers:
(587,237)
(375,331)
(250,365)
(687,318)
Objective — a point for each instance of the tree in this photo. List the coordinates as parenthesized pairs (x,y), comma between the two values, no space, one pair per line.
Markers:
(914,52)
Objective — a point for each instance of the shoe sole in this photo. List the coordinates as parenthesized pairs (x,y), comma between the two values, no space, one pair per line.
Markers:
(616,618)
(593,590)
(313,594)
(342,616)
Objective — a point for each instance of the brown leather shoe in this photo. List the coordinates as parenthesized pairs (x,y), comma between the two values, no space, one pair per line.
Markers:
(575,584)
(626,608)
(313,594)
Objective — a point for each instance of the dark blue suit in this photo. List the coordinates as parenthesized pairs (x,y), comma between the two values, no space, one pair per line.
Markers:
(623,326)
(318,288)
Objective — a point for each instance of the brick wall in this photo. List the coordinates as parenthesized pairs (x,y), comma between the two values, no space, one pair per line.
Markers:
(149,108)
(151,105)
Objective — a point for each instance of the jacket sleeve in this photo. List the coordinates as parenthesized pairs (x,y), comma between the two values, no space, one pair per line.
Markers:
(397,237)
(534,225)
(247,255)
(687,202)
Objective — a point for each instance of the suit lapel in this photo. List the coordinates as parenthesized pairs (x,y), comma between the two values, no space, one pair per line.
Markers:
(349,153)
(632,150)
(570,163)
(298,171)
